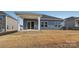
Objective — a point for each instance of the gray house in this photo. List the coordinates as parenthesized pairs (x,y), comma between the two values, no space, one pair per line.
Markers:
(72,23)
(40,22)
(29,21)
(7,23)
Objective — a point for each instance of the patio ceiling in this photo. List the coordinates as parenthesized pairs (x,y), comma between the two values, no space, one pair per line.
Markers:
(29,16)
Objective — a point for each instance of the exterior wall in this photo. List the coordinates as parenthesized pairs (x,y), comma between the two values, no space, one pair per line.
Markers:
(51,24)
(2,22)
(11,24)
(69,23)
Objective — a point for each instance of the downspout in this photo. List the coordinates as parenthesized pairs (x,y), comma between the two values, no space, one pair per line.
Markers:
(5,23)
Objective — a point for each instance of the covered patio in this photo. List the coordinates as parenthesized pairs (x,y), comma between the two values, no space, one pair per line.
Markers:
(31,21)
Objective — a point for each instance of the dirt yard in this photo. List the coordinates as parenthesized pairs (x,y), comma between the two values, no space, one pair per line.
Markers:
(41,39)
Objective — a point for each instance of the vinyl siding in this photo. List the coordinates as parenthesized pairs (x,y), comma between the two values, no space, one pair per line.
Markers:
(51,24)
(2,22)
(70,23)
(11,24)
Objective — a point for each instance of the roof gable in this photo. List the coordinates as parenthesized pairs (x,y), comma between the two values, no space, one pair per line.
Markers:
(72,18)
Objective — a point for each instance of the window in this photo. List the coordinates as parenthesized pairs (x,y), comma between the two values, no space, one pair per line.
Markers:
(42,24)
(45,24)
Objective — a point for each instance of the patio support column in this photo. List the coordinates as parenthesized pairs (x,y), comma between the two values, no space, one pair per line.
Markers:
(38,23)
(18,24)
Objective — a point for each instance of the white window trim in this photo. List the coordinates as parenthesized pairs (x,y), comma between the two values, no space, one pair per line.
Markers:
(44,24)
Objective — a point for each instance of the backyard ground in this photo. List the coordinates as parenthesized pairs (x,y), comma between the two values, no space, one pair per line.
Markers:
(41,39)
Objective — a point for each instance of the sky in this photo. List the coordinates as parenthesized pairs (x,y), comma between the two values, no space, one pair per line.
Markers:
(60,14)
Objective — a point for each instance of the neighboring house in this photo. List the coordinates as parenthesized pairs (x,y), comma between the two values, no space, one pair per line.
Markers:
(7,23)
(40,21)
(72,23)
(29,21)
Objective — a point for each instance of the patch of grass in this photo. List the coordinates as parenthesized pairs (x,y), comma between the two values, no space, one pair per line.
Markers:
(41,39)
